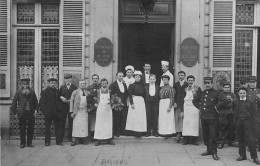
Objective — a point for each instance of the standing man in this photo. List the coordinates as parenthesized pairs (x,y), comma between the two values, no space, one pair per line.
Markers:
(25,105)
(119,88)
(254,95)
(65,94)
(152,106)
(226,118)
(49,104)
(209,102)
(165,69)
(146,73)
(92,100)
(129,79)
(179,100)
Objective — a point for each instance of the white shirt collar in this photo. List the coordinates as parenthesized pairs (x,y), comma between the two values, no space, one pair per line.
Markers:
(243,99)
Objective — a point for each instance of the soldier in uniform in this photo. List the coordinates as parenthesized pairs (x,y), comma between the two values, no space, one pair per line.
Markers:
(209,102)
(65,94)
(254,95)
(226,118)
(92,101)
(25,105)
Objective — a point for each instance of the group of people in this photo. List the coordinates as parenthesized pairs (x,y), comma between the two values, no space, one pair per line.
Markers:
(166,110)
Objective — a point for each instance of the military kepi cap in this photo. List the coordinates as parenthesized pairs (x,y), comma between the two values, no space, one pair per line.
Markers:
(252,78)
(25,80)
(226,83)
(52,79)
(208,79)
(66,76)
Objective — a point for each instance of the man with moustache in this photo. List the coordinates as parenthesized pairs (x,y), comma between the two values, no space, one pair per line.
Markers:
(179,100)
(209,102)
(119,88)
(65,94)
(25,105)
(146,73)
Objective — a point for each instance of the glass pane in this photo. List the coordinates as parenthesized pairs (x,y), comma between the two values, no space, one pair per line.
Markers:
(25,13)
(25,55)
(50,55)
(243,55)
(50,13)
(245,14)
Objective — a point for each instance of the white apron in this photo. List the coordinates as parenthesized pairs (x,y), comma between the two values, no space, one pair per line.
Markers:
(103,127)
(166,122)
(136,118)
(80,122)
(191,116)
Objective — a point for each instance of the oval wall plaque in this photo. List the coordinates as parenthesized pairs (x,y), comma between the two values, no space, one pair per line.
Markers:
(103,52)
(189,52)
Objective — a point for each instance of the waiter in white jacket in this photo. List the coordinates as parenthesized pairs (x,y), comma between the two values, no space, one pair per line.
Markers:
(165,69)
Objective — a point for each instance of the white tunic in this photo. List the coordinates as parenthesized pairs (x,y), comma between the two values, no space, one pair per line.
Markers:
(166,122)
(171,81)
(136,118)
(80,122)
(103,127)
(191,116)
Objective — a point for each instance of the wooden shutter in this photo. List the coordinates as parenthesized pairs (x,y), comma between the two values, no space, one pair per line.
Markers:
(222,33)
(5,48)
(73,37)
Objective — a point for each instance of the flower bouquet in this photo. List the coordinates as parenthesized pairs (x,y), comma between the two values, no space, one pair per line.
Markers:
(116,102)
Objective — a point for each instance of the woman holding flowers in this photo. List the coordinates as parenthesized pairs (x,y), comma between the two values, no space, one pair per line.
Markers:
(136,118)
(104,125)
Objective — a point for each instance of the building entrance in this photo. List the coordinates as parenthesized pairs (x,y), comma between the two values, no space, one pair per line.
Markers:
(146,42)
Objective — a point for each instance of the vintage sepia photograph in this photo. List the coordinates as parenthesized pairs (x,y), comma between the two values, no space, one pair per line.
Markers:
(130,82)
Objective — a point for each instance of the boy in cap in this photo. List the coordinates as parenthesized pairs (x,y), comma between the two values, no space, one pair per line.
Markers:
(226,118)
(254,95)
(165,69)
(49,104)
(209,102)
(244,122)
(65,94)
(25,105)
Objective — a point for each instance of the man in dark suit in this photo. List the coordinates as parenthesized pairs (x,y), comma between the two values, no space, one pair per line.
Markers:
(179,101)
(50,104)
(146,73)
(152,106)
(25,105)
(119,88)
(65,94)
(209,102)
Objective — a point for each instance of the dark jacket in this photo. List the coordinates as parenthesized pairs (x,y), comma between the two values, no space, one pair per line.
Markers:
(143,78)
(250,106)
(50,102)
(114,88)
(230,108)
(19,102)
(65,92)
(252,95)
(209,102)
(180,93)
(148,97)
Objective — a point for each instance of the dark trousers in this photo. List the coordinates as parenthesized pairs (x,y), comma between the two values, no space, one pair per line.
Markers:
(119,120)
(257,133)
(59,126)
(226,129)
(152,111)
(26,122)
(209,129)
(246,137)
(70,121)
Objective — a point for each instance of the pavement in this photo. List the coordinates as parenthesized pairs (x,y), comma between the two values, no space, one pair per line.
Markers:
(128,151)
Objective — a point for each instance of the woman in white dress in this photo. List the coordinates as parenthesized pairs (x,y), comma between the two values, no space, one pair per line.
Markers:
(191,119)
(166,123)
(136,118)
(104,125)
(78,107)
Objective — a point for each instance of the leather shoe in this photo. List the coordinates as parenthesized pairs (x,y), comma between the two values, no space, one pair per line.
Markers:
(147,135)
(156,135)
(30,145)
(117,135)
(220,146)
(241,158)
(111,142)
(256,160)
(73,143)
(178,138)
(47,144)
(59,143)
(206,153)
(215,156)
(97,143)
(22,146)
